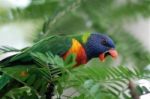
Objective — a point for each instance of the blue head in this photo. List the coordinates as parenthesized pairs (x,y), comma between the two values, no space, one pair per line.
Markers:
(99,45)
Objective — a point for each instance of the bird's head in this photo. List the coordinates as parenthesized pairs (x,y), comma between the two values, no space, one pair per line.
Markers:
(99,45)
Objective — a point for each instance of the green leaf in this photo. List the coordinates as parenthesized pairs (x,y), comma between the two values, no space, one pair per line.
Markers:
(28,76)
(70,60)
(4,80)
(5,49)
(22,92)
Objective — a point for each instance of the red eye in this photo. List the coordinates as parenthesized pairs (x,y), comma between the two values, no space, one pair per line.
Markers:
(104,42)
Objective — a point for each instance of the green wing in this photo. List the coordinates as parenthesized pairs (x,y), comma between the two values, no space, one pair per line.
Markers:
(56,44)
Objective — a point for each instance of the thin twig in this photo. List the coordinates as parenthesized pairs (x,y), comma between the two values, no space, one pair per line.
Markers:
(132,89)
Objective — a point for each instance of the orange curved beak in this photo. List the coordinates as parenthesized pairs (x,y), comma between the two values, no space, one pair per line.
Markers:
(112,52)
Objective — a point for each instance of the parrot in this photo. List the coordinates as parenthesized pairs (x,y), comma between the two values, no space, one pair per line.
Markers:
(85,47)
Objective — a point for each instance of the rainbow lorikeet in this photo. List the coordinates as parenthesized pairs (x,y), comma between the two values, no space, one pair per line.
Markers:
(84,46)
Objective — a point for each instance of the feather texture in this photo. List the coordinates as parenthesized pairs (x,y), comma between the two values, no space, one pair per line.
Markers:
(79,51)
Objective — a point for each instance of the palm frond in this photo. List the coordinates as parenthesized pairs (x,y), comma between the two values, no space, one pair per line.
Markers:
(47,69)
(94,81)
(5,49)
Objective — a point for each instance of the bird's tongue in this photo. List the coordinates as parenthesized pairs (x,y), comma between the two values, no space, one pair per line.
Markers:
(113,53)
(102,57)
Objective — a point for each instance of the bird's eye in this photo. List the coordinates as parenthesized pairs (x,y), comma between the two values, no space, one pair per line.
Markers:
(104,42)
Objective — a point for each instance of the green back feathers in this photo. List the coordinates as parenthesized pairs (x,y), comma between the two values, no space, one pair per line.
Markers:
(57,44)
(81,37)
(85,37)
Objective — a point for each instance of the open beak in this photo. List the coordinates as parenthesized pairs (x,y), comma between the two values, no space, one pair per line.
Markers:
(112,52)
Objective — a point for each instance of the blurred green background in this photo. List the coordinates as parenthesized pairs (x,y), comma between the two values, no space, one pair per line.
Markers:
(24,22)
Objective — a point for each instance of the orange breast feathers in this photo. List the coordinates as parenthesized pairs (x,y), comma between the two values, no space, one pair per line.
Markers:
(77,49)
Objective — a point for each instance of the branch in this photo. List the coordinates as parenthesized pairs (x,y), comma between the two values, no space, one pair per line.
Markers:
(132,88)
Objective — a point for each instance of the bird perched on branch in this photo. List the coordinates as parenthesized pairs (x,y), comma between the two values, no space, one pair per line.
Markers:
(83,46)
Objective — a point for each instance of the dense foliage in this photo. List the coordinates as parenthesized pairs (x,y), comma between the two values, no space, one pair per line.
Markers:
(95,80)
